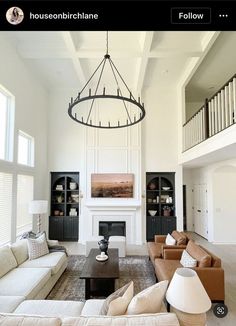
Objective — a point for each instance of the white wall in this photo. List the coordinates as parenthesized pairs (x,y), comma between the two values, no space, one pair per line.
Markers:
(220,179)
(192,108)
(224,209)
(31,107)
(160,139)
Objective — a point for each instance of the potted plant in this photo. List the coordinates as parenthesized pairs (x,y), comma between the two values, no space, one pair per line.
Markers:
(167,210)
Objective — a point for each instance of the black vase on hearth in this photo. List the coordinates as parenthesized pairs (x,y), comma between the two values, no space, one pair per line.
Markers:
(103,245)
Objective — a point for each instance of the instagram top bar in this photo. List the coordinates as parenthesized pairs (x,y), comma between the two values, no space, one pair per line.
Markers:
(117,15)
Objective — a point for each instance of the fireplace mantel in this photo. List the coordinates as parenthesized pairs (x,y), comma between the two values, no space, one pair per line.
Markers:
(113,205)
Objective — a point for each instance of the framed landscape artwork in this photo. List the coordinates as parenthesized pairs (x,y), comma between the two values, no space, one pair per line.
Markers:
(112,185)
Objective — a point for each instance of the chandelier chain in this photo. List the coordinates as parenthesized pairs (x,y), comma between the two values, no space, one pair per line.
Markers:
(107,42)
(112,69)
(92,75)
(100,76)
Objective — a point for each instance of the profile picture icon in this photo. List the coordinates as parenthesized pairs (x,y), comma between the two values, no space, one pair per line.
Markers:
(14,15)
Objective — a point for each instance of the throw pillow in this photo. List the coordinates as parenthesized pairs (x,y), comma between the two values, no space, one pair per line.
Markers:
(149,300)
(187,260)
(37,247)
(117,303)
(170,241)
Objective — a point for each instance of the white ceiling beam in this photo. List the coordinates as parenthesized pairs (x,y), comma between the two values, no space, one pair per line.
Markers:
(174,53)
(37,53)
(141,70)
(72,51)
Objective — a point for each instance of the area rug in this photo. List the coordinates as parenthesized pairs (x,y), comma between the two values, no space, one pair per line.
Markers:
(71,287)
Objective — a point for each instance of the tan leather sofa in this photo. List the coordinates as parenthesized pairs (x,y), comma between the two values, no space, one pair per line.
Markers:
(156,248)
(208,269)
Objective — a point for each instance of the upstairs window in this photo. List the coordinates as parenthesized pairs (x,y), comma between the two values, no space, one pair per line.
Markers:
(6,125)
(25,149)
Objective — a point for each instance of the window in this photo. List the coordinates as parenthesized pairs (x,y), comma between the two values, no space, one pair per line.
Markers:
(6,126)
(6,180)
(25,190)
(25,149)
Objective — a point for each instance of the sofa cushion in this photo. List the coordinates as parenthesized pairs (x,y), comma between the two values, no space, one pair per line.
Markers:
(20,251)
(162,319)
(117,302)
(14,320)
(179,237)
(50,308)
(10,303)
(165,268)
(7,260)
(187,260)
(92,307)
(202,257)
(37,247)
(215,261)
(53,260)
(154,250)
(25,282)
(148,300)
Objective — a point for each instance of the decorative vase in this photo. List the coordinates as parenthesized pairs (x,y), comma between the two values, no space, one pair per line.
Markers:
(166,212)
(103,245)
(73,185)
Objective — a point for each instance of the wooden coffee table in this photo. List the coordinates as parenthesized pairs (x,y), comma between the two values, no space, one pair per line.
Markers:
(100,276)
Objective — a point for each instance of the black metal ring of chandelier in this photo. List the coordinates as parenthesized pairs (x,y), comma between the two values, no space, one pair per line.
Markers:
(90,123)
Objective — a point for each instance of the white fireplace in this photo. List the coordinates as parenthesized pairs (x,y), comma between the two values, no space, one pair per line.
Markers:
(128,213)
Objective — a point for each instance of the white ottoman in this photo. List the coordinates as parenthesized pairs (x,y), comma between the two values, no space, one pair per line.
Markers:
(116,241)
(92,243)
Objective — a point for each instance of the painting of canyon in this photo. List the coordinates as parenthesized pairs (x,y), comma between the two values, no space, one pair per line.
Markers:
(114,185)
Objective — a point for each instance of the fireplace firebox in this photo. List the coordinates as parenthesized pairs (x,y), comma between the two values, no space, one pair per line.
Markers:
(107,228)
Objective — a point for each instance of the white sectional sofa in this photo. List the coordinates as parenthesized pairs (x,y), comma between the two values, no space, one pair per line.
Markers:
(21,278)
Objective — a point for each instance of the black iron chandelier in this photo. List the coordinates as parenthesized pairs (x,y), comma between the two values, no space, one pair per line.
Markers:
(100,109)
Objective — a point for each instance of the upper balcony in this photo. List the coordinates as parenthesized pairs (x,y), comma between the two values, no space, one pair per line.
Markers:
(211,131)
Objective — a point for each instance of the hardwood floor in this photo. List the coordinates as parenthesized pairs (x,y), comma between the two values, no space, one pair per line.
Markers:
(227,253)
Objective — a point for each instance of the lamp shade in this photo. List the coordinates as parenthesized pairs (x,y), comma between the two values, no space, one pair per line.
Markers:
(186,292)
(38,207)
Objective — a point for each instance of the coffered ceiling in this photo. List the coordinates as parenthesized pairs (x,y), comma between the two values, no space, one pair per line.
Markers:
(67,59)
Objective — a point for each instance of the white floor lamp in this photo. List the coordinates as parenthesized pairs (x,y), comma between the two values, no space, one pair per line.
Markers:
(38,207)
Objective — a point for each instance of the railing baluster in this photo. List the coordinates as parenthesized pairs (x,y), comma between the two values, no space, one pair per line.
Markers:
(219,112)
(222,95)
(234,100)
(230,103)
(226,106)
(213,116)
(216,114)
(210,118)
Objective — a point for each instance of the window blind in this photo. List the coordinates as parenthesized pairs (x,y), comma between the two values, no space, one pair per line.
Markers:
(25,189)
(6,180)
